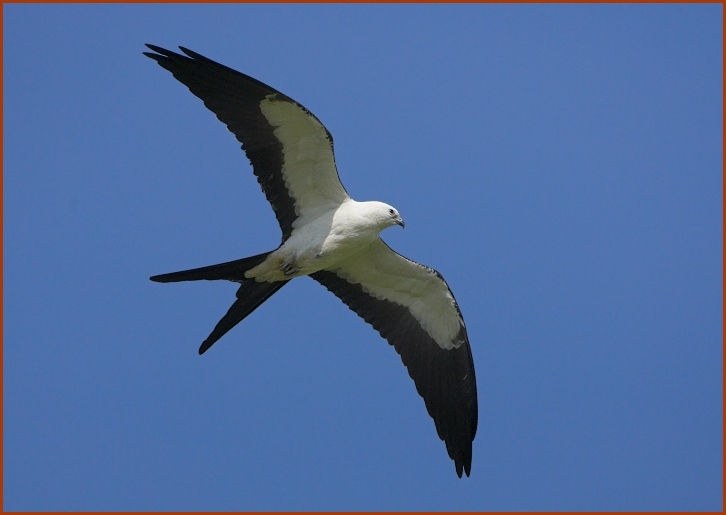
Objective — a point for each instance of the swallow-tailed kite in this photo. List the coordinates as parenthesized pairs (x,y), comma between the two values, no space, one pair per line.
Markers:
(335,240)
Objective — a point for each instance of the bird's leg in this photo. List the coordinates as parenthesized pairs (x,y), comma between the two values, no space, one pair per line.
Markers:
(288,267)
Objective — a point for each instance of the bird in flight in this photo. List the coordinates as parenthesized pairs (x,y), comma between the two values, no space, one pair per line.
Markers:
(335,240)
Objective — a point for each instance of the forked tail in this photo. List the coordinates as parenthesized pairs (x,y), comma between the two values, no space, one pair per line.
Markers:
(230,271)
(250,294)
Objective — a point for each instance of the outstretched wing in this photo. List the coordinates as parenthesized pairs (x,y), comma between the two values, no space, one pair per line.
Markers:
(290,150)
(412,307)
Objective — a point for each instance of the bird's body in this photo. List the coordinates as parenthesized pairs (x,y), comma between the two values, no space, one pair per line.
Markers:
(335,240)
(326,241)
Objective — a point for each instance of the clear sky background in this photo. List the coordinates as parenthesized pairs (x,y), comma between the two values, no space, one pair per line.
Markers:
(560,165)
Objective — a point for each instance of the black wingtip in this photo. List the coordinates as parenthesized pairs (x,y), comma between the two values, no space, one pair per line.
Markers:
(463,465)
(163,55)
(163,52)
(158,50)
(191,53)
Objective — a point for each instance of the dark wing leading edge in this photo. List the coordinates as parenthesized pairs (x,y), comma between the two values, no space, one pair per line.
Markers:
(412,307)
(290,150)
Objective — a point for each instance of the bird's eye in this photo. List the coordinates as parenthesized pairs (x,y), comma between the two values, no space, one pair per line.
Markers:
(390,211)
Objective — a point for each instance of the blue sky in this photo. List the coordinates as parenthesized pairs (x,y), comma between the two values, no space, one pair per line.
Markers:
(560,165)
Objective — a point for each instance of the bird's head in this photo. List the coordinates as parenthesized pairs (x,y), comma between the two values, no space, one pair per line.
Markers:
(385,215)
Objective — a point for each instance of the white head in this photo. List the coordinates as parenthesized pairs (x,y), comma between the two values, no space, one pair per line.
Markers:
(383,215)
